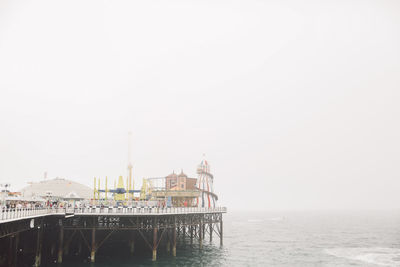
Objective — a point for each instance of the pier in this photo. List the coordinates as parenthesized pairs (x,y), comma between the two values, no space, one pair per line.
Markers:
(57,220)
(88,229)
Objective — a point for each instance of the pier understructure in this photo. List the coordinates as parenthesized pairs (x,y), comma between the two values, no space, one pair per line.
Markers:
(49,235)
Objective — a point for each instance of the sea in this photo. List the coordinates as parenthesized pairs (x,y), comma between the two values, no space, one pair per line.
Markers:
(260,238)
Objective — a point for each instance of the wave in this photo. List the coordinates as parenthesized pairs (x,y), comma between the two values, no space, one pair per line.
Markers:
(254,220)
(276,219)
(273,219)
(375,255)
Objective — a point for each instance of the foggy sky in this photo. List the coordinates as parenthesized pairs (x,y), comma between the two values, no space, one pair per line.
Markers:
(294,103)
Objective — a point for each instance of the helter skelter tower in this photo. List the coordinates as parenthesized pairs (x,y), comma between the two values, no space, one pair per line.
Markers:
(204,183)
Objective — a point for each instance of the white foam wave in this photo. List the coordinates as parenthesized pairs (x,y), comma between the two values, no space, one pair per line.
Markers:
(276,219)
(254,220)
(375,255)
(273,219)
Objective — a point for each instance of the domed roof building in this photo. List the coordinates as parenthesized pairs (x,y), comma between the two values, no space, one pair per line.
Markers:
(58,188)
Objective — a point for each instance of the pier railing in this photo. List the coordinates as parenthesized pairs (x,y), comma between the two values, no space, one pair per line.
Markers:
(13,214)
(17,213)
(143,210)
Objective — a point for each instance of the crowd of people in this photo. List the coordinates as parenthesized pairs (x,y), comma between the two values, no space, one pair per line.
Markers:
(59,204)
(21,205)
(17,204)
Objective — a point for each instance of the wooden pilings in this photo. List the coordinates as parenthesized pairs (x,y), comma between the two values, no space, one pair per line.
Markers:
(16,249)
(79,248)
(132,243)
(39,243)
(174,239)
(211,232)
(201,233)
(93,247)
(52,249)
(154,244)
(168,245)
(60,245)
(10,250)
(191,234)
(68,243)
(221,235)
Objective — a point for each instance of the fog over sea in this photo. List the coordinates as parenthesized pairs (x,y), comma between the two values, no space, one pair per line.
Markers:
(284,239)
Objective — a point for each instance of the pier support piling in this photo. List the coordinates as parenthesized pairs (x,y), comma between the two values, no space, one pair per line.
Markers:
(16,249)
(174,240)
(221,233)
(132,243)
(38,257)
(168,245)
(132,246)
(10,250)
(201,234)
(154,244)
(79,248)
(211,232)
(191,234)
(67,243)
(52,249)
(60,245)
(93,250)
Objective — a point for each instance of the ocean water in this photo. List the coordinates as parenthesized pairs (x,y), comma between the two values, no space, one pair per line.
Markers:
(285,239)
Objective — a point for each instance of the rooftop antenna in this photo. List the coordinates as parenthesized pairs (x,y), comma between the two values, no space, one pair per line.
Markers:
(130,182)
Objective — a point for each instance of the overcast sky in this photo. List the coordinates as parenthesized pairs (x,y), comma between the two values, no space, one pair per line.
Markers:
(296,104)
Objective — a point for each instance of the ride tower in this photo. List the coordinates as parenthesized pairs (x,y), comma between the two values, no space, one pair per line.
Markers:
(205,183)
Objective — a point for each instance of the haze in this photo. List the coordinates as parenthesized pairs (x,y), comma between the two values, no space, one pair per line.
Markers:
(294,103)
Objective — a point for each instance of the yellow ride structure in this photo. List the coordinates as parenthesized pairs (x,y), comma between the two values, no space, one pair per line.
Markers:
(121,192)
